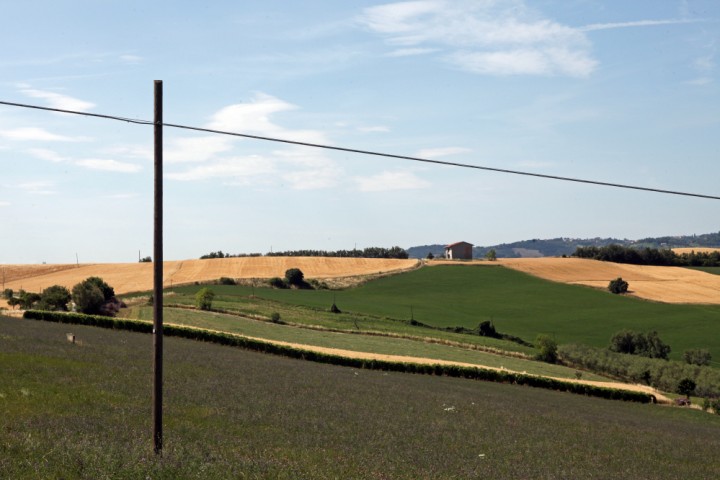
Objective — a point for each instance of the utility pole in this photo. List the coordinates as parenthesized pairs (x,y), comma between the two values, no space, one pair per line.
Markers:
(157,397)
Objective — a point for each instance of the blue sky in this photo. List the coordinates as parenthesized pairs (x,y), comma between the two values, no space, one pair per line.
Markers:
(615,91)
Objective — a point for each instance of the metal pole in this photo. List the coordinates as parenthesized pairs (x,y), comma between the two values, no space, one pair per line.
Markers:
(158,276)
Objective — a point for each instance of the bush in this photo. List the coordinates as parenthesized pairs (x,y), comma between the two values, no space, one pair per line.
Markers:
(638,343)
(91,294)
(277,282)
(334,308)
(8,293)
(686,387)
(697,356)
(55,298)
(204,298)
(295,277)
(618,286)
(487,329)
(275,317)
(547,349)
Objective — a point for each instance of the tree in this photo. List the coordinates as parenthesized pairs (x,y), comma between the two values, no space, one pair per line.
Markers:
(8,293)
(55,298)
(491,255)
(146,260)
(697,356)
(487,329)
(618,286)
(637,343)
(92,294)
(686,387)
(547,349)
(295,277)
(430,256)
(204,298)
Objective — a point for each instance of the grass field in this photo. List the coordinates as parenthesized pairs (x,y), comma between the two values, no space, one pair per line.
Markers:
(83,411)
(517,303)
(361,343)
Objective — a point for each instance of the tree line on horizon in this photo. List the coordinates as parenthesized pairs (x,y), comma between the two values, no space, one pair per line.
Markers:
(370,252)
(649,256)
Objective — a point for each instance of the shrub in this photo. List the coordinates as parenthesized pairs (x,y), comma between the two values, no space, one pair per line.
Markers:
(227,281)
(91,294)
(8,293)
(697,356)
(547,349)
(487,329)
(334,308)
(637,343)
(275,317)
(277,282)
(204,298)
(295,277)
(55,298)
(686,387)
(618,286)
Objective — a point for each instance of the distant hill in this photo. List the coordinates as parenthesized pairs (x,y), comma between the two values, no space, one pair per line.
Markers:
(556,247)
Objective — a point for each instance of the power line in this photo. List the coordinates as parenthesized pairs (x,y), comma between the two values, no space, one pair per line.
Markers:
(369,152)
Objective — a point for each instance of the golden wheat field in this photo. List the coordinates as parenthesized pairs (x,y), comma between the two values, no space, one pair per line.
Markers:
(662,284)
(133,277)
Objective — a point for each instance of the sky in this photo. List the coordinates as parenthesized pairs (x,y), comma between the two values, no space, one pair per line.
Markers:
(612,91)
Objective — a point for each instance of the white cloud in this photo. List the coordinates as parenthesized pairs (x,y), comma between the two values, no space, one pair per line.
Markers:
(57,100)
(36,134)
(637,23)
(196,149)
(45,154)
(408,52)
(37,188)
(131,59)
(374,129)
(234,169)
(5,204)
(387,181)
(441,152)
(489,38)
(254,118)
(108,165)
(301,167)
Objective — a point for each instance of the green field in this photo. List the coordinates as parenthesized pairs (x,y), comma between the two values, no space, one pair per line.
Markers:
(713,270)
(517,303)
(83,411)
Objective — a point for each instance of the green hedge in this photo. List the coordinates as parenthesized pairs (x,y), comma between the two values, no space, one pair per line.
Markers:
(266,347)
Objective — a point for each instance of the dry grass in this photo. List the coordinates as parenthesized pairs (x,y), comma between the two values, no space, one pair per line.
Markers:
(680,251)
(662,284)
(133,277)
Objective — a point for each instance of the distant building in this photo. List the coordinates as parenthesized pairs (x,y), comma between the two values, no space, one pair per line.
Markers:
(459,250)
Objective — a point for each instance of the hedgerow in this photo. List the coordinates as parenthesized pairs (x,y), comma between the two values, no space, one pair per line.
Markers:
(228,339)
(658,373)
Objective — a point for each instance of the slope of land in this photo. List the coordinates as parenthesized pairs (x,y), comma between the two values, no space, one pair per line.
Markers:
(661,284)
(133,277)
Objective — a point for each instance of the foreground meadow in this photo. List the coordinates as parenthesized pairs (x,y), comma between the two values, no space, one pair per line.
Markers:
(83,411)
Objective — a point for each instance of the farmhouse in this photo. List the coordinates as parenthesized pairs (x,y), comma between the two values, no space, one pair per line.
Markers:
(459,250)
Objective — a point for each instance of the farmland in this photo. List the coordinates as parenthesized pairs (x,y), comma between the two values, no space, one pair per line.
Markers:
(82,411)
(517,303)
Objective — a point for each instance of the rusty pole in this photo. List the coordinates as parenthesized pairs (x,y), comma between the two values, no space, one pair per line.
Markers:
(158,276)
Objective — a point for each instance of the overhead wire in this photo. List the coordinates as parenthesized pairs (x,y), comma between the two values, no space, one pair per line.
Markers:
(368,152)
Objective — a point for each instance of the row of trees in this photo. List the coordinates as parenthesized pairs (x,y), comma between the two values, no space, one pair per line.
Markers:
(92,296)
(649,256)
(370,252)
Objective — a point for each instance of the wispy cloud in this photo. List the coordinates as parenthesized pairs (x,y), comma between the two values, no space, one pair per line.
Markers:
(374,129)
(57,100)
(636,23)
(131,59)
(108,165)
(409,52)
(37,188)
(490,38)
(229,169)
(388,181)
(441,152)
(36,134)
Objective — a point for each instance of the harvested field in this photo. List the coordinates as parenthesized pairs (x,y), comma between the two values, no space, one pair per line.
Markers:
(133,277)
(662,284)
(680,251)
